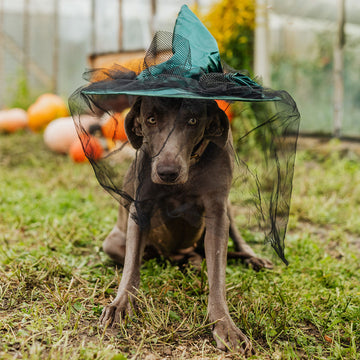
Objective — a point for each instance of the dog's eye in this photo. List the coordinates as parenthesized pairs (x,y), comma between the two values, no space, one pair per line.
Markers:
(151,121)
(192,122)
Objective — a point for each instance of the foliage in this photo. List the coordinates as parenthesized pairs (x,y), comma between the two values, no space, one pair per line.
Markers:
(21,94)
(232,24)
(55,279)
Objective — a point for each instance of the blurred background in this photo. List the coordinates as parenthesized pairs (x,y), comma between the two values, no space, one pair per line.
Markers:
(46,45)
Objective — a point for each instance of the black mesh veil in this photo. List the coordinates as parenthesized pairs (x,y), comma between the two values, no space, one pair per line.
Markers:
(264,170)
(265,133)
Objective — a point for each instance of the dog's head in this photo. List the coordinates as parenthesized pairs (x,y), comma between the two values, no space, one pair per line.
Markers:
(170,130)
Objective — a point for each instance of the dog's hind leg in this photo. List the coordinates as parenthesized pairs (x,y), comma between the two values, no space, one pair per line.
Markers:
(115,243)
(243,250)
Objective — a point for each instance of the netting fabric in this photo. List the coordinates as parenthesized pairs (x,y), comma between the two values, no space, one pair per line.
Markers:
(182,71)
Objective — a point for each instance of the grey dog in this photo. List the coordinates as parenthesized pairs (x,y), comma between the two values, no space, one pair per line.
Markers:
(185,161)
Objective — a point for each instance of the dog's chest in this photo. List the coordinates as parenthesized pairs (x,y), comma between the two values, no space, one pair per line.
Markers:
(187,208)
(178,224)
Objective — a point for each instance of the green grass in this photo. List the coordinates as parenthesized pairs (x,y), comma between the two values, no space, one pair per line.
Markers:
(55,279)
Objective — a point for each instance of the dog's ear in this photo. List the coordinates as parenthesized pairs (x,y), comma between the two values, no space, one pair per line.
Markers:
(132,125)
(217,128)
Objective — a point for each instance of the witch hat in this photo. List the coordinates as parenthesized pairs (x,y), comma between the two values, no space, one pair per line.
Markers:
(193,69)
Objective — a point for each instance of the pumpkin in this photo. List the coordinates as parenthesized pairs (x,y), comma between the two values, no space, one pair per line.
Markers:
(226,107)
(46,108)
(114,128)
(61,133)
(92,147)
(13,119)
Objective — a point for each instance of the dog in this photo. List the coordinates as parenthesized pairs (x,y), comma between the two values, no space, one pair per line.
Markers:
(180,181)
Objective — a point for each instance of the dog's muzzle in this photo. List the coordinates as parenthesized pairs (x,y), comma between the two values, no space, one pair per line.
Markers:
(168,173)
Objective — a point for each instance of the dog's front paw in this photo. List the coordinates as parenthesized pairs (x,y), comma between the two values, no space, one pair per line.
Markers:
(229,338)
(113,314)
(258,263)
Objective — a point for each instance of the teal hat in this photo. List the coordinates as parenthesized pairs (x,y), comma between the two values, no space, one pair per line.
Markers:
(193,69)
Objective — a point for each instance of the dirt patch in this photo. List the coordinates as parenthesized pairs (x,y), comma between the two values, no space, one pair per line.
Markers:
(324,145)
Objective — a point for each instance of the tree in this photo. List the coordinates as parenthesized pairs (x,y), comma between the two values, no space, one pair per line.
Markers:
(232,24)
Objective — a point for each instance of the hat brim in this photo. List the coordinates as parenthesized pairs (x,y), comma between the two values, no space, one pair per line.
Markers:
(177,93)
(233,86)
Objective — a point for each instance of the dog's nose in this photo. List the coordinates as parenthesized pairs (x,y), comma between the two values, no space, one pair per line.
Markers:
(167,173)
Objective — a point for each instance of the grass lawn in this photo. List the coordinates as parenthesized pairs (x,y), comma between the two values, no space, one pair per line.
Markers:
(55,279)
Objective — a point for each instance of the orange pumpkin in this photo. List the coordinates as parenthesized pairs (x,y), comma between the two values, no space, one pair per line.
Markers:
(114,128)
(13,119)
(92,147)
(46,108)
(226,107)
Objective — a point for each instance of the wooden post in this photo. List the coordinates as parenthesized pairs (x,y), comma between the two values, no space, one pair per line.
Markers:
(152,19)
(26,39)
(339,70)
(55,72)
(2,47)
(261,56)
(93,27)
(121,25)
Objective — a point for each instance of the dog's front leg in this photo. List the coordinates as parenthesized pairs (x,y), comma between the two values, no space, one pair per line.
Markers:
(130,280)
(225,332)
